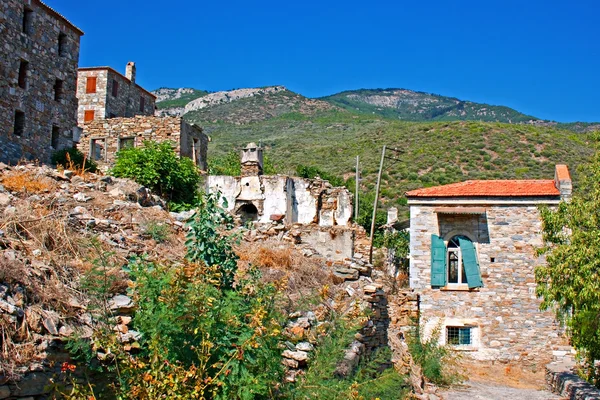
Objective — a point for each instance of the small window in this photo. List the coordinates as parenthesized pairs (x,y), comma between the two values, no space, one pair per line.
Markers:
(126,143)
(98,149)
(27,20)
(142,103)
(62,44)
(90,84)
(55,137)
(23,68)
(88,115)
(58,90)
(115,88)
(459,335)
(19,127)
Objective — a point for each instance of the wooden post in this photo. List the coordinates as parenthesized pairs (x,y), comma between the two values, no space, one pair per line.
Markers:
(375,205)
(356,192)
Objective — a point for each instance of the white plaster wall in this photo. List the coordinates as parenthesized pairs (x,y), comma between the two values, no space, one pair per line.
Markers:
(229,186)
(250,188)
(335,245)
(344,208)
(306,204)
(275,196)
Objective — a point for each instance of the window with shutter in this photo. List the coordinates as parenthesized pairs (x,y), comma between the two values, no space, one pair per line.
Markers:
(88,115)
(470,263)
(90,84)
(438,261)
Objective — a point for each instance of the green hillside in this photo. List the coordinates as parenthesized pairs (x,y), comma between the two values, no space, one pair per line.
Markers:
(408,105)
(432,153)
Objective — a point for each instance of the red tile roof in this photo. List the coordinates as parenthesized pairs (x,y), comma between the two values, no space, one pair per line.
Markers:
(492,188)
(562,172)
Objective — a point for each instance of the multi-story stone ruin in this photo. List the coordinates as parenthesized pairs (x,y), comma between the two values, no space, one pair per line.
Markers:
(102,139)
(105,93)
(39,53)
(472,259)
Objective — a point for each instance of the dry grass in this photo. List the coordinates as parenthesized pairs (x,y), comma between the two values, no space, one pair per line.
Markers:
(25,182)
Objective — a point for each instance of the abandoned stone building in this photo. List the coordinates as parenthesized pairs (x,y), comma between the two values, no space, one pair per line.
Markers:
(102,139)
(105,93)
(39,53)
(472,259)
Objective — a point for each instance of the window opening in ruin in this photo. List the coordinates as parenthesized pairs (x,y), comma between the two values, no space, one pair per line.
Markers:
(55,136)
(98,149)
(88,115)
(27,19)
(62,44)
(459,335)
(23,68)
(248,213)
(90,84)
(115,88)
(126,143)
(58,90)
(19,127)
(142,103)
(195,151)
(456,268)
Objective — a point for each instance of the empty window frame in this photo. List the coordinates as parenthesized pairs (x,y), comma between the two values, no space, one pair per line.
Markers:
(62,44)
(27,20)
(142,103)
(126,143)
(98,149)
(55,138)
(115,88)
(459,335)
(23,68)
(90,84)
(58,90)
(19,126)
(88,115)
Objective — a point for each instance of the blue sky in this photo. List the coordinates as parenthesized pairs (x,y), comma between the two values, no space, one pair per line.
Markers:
(541,57)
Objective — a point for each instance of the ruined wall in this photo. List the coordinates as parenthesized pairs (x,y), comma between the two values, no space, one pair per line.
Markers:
(42,112)
(102,139)
(104,103)
(505,312)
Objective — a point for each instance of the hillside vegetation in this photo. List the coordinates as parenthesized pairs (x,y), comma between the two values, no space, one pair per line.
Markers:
(409,105)
(176,98)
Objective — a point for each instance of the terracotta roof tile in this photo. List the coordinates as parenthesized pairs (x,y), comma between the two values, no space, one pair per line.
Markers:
(491,188)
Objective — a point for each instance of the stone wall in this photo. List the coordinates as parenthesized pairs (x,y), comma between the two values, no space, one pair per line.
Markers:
(102,139)
(126,103)
(44,116)
(504,314)
(298,200)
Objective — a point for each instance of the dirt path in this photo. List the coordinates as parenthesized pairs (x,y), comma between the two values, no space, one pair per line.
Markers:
(488,391)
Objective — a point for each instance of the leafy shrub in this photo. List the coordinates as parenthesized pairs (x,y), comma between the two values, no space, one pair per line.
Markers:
(73,159)
(156,166)
(156,230)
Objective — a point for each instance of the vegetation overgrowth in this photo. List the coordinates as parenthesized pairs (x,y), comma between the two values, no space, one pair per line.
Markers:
(73,159)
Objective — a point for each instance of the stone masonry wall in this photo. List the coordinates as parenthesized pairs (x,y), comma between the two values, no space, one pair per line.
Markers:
(109,135)
(505,311)
(39,47)
(126,103)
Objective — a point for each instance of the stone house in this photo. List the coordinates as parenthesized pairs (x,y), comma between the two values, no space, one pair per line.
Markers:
(103,138)
(472,260)
(39,53)
(105,93)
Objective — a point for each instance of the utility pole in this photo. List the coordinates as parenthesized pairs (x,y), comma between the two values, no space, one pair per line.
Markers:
(375,204)
(356,192)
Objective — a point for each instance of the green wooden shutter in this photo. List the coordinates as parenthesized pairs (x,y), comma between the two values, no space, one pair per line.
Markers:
(469,259)
(438,261)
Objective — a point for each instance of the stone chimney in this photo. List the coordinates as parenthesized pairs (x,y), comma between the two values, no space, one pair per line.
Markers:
(130,71)
(562,181)
(252,160)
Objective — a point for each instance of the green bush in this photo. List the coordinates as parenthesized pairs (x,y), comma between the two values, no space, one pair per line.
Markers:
(156,166)
(73,158)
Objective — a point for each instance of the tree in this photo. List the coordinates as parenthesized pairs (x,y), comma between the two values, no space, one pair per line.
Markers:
(570,280)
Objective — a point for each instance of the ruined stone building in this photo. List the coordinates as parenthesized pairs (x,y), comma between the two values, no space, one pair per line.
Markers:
(102,139)
(472,260)
(105,93)
(39,53)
